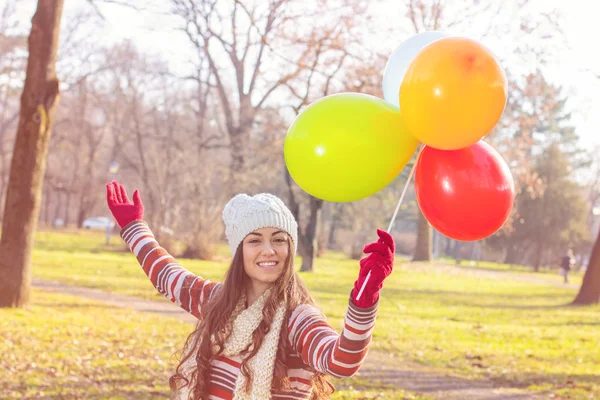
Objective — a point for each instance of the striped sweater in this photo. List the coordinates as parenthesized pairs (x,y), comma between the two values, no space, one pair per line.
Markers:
(314,345)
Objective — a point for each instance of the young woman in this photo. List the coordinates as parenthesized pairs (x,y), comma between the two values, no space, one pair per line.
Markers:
(259,334)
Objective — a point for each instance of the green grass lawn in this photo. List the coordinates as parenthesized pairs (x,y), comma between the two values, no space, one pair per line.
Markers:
(64,347)
(452,320)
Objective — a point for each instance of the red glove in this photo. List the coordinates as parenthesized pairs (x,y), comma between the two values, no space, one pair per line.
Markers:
(380,262)
(122,209)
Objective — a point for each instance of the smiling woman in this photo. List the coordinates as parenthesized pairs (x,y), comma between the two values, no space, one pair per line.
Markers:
(265,253)
(259,333)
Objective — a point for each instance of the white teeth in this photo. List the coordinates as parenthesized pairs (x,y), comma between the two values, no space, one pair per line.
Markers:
(267,264)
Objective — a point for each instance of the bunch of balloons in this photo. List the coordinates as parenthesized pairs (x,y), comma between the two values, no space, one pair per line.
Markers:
(444,91)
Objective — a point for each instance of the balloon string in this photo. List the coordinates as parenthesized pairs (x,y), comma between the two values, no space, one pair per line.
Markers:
(410,175)
(389,230)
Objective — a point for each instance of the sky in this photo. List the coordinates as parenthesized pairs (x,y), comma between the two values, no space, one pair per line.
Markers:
(576,68)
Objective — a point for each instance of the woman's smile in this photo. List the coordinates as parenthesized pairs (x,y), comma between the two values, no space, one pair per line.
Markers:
(268,265)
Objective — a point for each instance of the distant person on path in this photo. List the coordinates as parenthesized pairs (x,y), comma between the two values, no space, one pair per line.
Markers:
(566,264)
(259,334)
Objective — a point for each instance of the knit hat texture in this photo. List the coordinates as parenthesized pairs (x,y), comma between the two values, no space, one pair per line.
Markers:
(244,214)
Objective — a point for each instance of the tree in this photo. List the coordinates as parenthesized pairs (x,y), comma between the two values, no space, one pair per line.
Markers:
(536,129)
(38,105)
(426,15)
(72,165)
(424,235)
(247,51)
(242,33)
(459,15)
(12,62)
(554,221)
(327,52)
(589,293)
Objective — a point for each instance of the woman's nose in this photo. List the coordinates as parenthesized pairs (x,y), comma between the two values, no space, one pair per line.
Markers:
(268,250)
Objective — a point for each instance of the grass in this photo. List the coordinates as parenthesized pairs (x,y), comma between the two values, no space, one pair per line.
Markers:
(515,332)
(64,347)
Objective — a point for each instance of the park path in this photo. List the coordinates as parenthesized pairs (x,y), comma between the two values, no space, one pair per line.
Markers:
(379,366)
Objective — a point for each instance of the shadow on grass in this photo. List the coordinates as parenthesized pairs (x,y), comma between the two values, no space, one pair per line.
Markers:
(455,298)
(114,394)
(78,305)
(430,293)
(521,306)
(417,380)
(465,293)
(432,383)
(89,390)
(575,323)
(588,382)
(507,270)
(458,294)
(388,373)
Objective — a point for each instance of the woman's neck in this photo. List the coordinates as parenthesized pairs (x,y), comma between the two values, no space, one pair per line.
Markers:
(254,291)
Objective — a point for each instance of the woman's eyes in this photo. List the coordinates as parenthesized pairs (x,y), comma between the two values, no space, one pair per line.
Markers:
(276,240)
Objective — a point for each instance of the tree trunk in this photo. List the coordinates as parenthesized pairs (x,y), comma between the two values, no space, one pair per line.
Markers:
(67,206)
(85,203)
(81,216)
(239,145)
(589,293)
(23,198)
(310,238)
(457,254)
(3,158)
(435,247)
(473,251)
(513,255)
(538,256)
(449,248)
(332,228)
(46,209)
(58,208)
(423,247)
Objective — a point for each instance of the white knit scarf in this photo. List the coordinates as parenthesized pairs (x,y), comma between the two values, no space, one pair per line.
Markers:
(263,363)
(242,323)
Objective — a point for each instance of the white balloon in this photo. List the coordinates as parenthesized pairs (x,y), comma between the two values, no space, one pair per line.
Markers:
(400,60)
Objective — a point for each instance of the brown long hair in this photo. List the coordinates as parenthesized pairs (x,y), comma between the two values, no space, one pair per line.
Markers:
(216,313)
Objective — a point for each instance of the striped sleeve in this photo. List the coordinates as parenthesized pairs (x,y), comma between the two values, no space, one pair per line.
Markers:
(177,284)
(322,348)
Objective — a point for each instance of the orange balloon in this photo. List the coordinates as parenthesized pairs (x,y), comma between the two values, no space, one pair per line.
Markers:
(453,93)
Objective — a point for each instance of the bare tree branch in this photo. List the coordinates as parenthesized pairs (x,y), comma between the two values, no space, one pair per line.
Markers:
(123,3)
(268,27)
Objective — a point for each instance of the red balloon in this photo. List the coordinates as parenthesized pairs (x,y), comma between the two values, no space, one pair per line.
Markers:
(465,194)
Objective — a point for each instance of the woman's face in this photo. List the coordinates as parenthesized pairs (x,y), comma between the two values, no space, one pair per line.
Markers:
(265,251)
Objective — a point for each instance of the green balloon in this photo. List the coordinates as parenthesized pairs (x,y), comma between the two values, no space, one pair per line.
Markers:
(347,146)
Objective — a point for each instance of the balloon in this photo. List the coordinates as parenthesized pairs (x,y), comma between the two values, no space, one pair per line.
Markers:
(399,61)
(465,194)
(347,146)
(453,93)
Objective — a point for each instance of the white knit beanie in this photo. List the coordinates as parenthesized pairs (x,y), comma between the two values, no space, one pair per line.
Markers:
(244,214)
